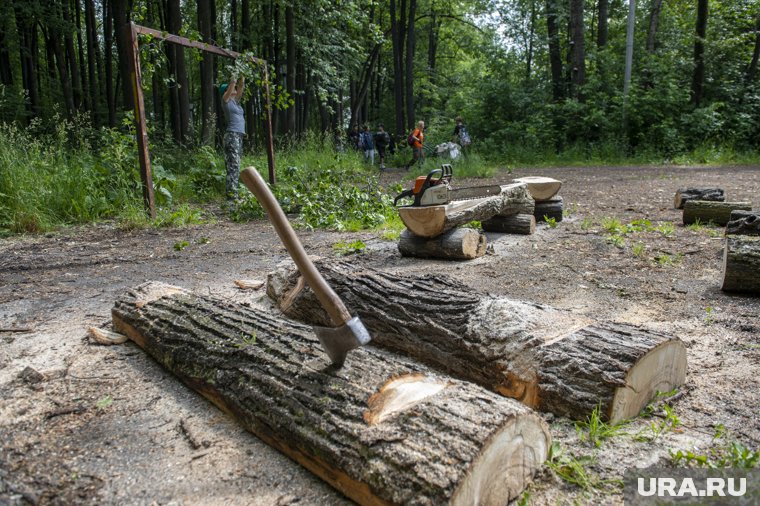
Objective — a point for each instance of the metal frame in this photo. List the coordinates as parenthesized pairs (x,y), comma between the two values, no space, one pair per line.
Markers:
(133,31)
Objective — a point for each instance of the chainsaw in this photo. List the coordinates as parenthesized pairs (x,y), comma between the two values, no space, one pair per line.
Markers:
(435,189)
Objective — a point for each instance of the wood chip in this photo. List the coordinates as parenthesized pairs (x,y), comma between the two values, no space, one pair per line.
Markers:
(249,284)
(103,336)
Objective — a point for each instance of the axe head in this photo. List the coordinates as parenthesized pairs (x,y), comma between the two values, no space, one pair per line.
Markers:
(338,341)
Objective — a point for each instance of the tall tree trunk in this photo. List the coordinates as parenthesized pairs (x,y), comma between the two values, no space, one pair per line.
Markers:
(290,78)
(108,43)
(6,73)
(179,72)
(206,74)
(398,74)
(411,41)
(53,41)
(698,79)
(578,51)
(82,62)
(531,36)
(245,25)
(602,30)
(752,68)
(555,55)
(435,27)
(27,28)
(93,57)
(71,59)
(359,93)
(234,25)
(120,19)
(654,21)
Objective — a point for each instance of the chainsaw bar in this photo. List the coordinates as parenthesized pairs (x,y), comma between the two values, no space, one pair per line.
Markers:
(474,192)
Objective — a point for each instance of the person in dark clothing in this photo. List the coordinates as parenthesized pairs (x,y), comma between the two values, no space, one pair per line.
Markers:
(461,135)
(354,138)
(382,140)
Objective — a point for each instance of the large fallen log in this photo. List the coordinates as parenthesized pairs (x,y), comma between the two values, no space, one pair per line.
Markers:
(683,195)
(743,223)
(546,359)
(382,429)
(741,264)
(432,221)
(514,224)
(456,244)
(706,211)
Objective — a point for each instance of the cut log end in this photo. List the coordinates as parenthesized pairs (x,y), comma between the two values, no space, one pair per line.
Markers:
(660,370)
(541,188)
(506,465)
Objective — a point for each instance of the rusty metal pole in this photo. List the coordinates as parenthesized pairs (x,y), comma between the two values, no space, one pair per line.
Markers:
(268,127)
(140,126)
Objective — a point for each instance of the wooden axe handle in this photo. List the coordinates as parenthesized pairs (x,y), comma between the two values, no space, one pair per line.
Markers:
(325,294)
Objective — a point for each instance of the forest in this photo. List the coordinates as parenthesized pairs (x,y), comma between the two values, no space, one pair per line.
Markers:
(536,81)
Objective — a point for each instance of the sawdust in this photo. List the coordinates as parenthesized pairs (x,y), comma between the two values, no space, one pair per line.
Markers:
(85,423)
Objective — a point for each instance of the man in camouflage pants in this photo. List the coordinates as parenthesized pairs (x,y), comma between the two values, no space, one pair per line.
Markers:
(232,94)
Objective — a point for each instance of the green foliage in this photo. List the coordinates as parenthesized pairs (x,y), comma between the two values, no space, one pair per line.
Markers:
(349,248)
(552,222)
(104,403)
(595,430)
(574,469)
(724,452)
(654,430)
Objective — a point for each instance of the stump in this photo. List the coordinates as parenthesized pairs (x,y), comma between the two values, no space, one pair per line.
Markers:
(683,195)
(545,358)
(515,224)
(541,188)
(432,221)
(552,209)
(382,429)
(456,244)
(707,211)
(743,223)
(741,264)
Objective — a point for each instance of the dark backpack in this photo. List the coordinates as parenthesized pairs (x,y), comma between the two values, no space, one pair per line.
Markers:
(410,140)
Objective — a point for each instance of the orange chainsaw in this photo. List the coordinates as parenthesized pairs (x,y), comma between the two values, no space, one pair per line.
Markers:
(435,189)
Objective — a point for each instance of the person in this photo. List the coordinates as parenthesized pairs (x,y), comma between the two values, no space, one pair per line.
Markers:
(382,140)
(418,138)
(232,95)
(354,138)
(368,145)
(461,135)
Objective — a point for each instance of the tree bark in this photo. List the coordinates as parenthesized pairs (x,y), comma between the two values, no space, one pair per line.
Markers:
(398,74)
(432,221)
(743,223)
(180,85)
(456,244)
(578,51)
(683,195)
(654,21)
(206,74)
(108,51)
(602,29)
(698,78)
(290,49)
(411,41)
(381,429)
(93,58)
(706,211)
(521,223)
(71,59)
(548,359)
(120,12)
(752,67)
(555,55)
(741,264)
(27,28)
(552,209)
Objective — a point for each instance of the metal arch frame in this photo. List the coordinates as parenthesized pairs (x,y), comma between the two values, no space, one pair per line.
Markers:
(133,30)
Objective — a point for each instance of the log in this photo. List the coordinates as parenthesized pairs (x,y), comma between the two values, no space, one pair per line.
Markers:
(743,223)
(382,429)
(683,195)
(515,224)
(741,264)
(540,188)
(552,209)
(432,221)
(456,244)
(545,358)
(707,211)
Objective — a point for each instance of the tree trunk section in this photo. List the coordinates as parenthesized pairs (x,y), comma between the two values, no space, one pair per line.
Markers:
(120,11)
(456,244)
(206,74)
(602,29)
(698,78)
(398,74)
(290,78)
(382,429)
(553,209)
(578,51)
(540,188)
(741,264)
(411,41)
(547,359)
(654,21)
(743,223)
(706,211)
(752,67)
(432,221)
(555,55)
(683,195)
(524,224)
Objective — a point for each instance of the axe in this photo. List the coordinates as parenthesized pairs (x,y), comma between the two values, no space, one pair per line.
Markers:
(349,332)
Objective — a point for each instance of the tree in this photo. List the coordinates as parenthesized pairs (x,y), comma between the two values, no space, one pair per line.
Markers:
(698,79)
(578,52)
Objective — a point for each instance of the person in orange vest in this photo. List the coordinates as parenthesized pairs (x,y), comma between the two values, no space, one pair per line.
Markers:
(416,141)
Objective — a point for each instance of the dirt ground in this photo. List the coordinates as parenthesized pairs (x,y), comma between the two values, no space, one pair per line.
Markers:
(82,423)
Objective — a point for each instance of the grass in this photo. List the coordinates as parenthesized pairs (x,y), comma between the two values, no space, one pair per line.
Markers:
(724,452)
(575,469)
(595,430)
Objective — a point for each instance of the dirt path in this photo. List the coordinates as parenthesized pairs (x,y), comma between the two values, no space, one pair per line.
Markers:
(84,423)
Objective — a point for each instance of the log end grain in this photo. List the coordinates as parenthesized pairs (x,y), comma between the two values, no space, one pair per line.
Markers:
(541,188)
